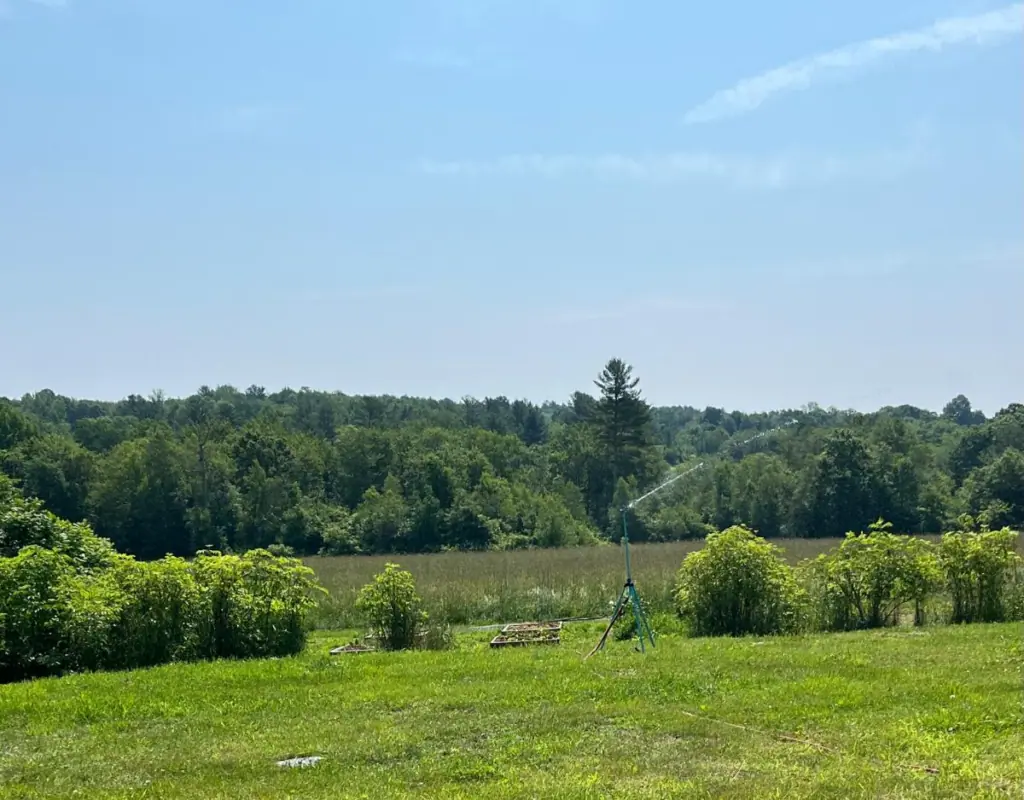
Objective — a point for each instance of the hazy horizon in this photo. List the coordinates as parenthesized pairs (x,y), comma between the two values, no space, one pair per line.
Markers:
(512,398)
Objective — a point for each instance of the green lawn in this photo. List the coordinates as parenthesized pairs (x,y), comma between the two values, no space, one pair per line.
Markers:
(843,716)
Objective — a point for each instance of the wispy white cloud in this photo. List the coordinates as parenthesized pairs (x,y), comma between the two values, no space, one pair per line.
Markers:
(750,93)
(736,170)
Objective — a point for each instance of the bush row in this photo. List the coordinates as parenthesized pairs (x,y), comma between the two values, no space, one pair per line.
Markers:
(55,619)
(69,603)
(739,584)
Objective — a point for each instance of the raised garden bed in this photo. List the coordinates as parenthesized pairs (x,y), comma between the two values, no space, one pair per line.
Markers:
(521,634)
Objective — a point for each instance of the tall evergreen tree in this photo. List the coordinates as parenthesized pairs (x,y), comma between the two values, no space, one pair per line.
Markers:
(535,428)
(622,418)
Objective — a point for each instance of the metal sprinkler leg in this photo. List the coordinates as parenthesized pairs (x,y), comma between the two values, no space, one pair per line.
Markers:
(643,627)
(620,606)
(629,596)
(637,615)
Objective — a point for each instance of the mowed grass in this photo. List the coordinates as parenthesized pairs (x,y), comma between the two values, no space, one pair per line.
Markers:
(904,713)
(488,587)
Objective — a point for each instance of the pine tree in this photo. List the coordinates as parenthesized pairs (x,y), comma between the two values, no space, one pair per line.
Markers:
(622,418)
(535,429)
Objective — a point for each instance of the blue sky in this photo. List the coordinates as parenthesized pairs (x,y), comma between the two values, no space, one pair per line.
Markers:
(756,204)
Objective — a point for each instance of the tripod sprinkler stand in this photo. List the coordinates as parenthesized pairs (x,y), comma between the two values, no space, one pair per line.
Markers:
(628,597)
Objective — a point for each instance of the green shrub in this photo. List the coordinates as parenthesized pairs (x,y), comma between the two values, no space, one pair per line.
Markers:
(981,571)
(255,604)
(870,579)
(161,613)
(35,614)
(738,584)
(55,619)
(392,608)
(279,592)
(24,522)
(96,604)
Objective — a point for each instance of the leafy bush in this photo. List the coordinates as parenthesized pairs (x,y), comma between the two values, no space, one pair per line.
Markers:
(738,584)
(161,613)
(392,608)
(56,619)
(35,614)
(52,619)
(254,605)
(96,605)
(280,592)
(981,571)
(870,579)
(24,522)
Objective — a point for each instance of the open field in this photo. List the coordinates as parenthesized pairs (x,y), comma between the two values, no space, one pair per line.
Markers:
(514,585)
(900,713)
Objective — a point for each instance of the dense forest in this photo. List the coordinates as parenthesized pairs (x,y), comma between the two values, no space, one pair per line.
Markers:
(322,472)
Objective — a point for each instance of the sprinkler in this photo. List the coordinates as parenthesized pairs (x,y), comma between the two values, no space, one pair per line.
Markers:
(629,597)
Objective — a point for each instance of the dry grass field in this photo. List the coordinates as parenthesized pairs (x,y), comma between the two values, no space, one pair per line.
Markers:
(495,586)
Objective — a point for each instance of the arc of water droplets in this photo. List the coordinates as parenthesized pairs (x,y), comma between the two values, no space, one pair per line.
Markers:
(702,464)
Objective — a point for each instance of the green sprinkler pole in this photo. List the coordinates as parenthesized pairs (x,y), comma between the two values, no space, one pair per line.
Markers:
(625,543)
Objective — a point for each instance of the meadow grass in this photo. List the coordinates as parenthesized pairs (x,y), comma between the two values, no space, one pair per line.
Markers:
(508,586)
(908,713)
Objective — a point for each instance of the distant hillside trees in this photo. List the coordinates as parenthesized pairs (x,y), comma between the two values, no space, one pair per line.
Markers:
(311,471)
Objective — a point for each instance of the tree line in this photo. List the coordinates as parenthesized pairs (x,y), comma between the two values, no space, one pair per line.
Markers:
(320,472)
